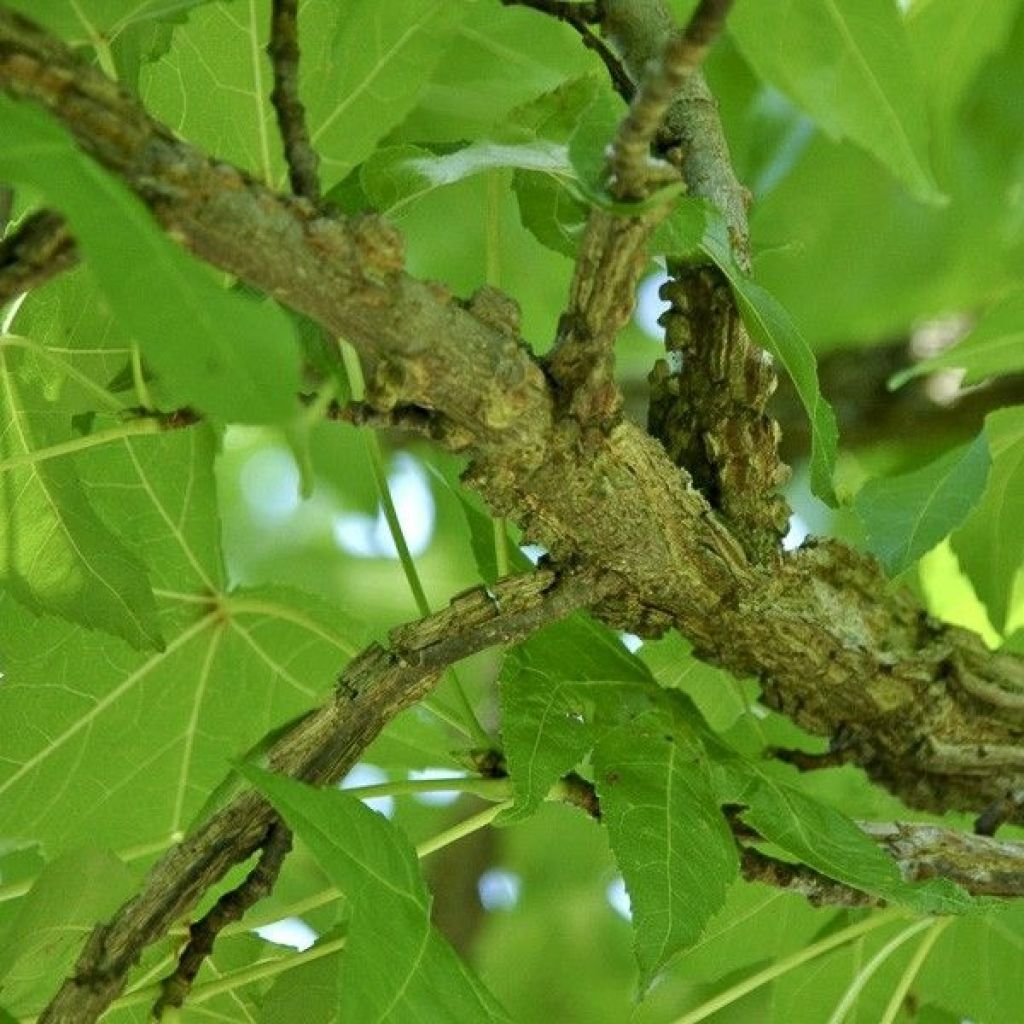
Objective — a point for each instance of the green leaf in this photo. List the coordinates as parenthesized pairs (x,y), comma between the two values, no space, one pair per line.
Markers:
(398,175)
(952,41)
(550,211)
(990,544)
(906,516)
(308,992)
(376,62)
(816,835)
(695,223)
(43,940)
(669,837)
(122,748)
(719,696)
(100,22)
(973,969)
(56,554)
(850,65)
(553,687)
(994,346)
(212,348)
(420,977)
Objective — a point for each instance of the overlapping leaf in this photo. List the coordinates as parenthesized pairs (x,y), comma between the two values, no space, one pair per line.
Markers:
(907,515)
(56,554)
(104,743)
(850,65)
(214,349)
(419,977)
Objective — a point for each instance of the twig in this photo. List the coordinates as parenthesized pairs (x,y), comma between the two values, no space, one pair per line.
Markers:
(39,249)
(682,56)
(581,17)
(283,50)
(229,908)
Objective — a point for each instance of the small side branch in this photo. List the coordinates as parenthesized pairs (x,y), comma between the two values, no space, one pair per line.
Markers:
(283,50)
(229,908)
(681,58)
(39,249)
(581,17)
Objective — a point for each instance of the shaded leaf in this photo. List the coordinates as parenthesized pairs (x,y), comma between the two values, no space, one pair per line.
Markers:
(377,59)
(56,554)
(994,346)
(816,835)
(990,544)
(212,348)
(850,65)
(373,864)
(907,515)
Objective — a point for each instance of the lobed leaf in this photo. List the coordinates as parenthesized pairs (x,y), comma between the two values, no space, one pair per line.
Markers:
(57,556)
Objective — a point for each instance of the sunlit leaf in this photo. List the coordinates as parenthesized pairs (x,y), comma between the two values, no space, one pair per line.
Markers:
(851,66)
(212,348)
(371,862)
(107,744)
(906,516)
(669,837)
(990,544)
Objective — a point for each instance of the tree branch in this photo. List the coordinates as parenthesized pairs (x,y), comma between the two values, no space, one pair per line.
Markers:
(681,56)
(927,709)
(283,50)
(229,908)
(39,249)
(377,685)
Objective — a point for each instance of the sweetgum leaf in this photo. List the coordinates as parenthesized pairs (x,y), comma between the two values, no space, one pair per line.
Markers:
(372,863)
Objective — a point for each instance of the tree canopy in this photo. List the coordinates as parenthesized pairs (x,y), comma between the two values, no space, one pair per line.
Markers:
(524,494)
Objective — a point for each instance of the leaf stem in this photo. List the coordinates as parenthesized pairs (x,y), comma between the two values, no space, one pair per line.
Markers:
(912,969)
(130,429)
(865,974)
(787,964)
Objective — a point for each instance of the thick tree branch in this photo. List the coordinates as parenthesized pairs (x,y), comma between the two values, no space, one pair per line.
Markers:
(709,407)
(372,690)
(283,50)
(928,710)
